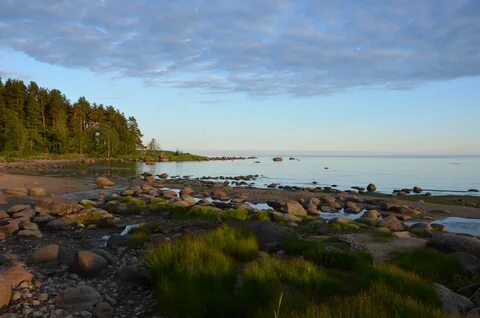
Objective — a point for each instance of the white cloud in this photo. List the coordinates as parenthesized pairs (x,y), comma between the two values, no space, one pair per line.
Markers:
(258,47)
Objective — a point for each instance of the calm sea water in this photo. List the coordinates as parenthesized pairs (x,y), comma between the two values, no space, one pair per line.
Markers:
(439,175)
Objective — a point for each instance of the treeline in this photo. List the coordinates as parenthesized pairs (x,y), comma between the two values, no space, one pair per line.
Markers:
(37,120)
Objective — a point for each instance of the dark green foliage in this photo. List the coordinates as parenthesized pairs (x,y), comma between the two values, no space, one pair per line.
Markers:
(35,120)
(430,264)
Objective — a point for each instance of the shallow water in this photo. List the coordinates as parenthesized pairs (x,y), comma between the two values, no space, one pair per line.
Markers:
(458,225)
(439,175)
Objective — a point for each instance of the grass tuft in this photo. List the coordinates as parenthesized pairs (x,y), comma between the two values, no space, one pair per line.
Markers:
(429,263)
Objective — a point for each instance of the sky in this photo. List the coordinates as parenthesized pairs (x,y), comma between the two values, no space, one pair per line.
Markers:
(251,77)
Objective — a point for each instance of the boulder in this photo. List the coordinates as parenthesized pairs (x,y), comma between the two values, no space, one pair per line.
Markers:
(469,262)
(46,254)
(57,206)
(104,182)
(27,213)
(168,194)
(371,187)
(453,304)
(417,190)
(149,178)
(163,176)
(5,294)
(14,275)
(30,233)
(439,227)
(42,219)
(186,191)
(421,229)
(18,208)
(278,159)
(392,223)
(90,263)
(371,214)
(116,241)
(133,274)
(79,297)
(37,192)
(351,207)
(57,225)
(295,208)
(272,235)
(450,243)
(17,192)
(103,310)
(3,215)
(278,216)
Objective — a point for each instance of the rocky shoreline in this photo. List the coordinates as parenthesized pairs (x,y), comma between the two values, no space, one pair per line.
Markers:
(73,258)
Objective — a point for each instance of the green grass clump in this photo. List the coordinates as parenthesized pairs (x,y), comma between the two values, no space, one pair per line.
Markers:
(265,279)
(200,270)
(142,234)
(92,217)
(235,214)
(134,205)
(347,227)
(177,211)
(378,301)
(429,263)
(261,216)
(315,252)
(204,212)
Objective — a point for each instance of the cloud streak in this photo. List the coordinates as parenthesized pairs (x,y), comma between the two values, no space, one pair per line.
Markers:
(257,47)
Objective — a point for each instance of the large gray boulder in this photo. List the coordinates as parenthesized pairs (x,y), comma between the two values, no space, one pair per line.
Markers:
(272,235)
(450,243)
(453,304)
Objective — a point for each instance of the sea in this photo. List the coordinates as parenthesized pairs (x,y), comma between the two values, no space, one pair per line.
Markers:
(438,175)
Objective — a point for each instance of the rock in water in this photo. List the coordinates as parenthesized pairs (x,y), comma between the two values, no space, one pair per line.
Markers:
(296,209)
(371,187)
(80,297)
(278,159)
(104,182)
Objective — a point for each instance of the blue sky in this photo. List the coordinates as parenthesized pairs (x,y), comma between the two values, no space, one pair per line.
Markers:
(276,76)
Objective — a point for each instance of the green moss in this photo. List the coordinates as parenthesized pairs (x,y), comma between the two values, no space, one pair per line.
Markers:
(429,263)
(346,227)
